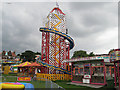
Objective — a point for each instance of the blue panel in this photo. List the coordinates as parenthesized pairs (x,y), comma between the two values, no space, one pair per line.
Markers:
(28,86)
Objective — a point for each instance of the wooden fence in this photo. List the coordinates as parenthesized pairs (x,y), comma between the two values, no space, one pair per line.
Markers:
(54,77)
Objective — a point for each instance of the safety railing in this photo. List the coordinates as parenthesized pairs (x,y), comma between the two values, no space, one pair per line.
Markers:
(54,77)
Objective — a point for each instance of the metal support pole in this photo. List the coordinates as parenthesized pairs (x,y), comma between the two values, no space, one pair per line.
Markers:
(115,75)
(118,74)
(59,53)
(104,72)
(71,70)
(48,51)
(90,72)
(42,46)
(55,64)
(110,71)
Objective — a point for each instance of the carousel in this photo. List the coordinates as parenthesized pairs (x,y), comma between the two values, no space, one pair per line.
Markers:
(28,69)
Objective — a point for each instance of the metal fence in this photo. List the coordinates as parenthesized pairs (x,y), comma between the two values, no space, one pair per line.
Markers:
(38,82)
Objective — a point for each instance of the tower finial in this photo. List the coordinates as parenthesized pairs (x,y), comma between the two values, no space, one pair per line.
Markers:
(57,5)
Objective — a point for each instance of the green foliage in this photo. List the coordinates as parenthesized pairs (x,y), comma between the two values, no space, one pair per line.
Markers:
(82,53)
(37,53)
(18,54)
(29,55)
(111,50)
(91,54)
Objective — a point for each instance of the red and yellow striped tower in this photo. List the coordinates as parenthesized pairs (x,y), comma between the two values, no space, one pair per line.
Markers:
(55,48)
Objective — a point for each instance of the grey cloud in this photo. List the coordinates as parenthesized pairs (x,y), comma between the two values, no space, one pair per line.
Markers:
(91,21)
(85,21)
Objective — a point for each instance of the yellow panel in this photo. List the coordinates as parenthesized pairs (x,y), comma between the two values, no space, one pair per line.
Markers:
(56,29)
(57,24)
(57,16)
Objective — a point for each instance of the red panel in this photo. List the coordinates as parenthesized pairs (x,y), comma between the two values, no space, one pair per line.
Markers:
(45,49)
(50,46)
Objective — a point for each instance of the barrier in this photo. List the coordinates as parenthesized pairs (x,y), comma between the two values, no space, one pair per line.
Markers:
(54,77)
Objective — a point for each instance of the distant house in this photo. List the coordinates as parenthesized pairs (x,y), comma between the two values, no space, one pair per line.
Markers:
(8,55)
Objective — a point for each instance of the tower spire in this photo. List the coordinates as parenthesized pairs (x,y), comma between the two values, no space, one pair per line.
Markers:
(57,5)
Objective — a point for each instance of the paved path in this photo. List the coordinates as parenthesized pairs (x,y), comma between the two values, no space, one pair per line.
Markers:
(88,85)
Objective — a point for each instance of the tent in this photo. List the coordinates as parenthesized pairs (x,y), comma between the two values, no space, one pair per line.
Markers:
(26,69)
(35,64)
(23,64)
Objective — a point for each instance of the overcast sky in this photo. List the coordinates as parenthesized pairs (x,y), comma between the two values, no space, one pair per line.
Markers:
(92,25)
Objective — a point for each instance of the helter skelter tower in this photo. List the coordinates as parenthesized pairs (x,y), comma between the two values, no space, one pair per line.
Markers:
(55,48)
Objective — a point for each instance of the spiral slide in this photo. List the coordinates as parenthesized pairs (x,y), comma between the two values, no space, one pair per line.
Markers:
(60,34)
(53,67)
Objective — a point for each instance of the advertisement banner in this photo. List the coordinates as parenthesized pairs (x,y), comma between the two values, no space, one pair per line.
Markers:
(115,55)
(23,78)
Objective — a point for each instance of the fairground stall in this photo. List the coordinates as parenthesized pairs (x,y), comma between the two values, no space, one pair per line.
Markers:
(115,57)
(109,66)
(89,70)
(6,66)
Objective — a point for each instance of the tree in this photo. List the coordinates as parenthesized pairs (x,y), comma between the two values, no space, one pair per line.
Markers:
(18,54)
(80,53)
(37,53)
(111,50)
(28,56)
(91,54)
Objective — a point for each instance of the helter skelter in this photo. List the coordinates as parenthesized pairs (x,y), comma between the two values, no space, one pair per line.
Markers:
(56,44)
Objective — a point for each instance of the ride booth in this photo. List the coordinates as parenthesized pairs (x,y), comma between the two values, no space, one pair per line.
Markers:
(88,71)
(115,58)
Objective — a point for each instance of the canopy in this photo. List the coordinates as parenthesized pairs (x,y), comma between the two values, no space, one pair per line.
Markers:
(23,64)
(33,64)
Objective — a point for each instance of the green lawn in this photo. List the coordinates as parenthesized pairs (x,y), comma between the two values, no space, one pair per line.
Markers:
(11,74)
(37,84)
(43,84)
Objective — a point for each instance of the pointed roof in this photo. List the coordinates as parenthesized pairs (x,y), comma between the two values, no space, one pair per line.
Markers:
(34,64)
(13,54)
(56,8)
(23,64)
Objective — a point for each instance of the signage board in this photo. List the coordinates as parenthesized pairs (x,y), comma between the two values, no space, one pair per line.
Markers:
(23,78)
(86,80)
(114,55)
(105,57)
(117,55)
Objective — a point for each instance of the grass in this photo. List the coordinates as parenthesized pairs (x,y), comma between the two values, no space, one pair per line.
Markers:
(10,74)
(37,84)
(42,84)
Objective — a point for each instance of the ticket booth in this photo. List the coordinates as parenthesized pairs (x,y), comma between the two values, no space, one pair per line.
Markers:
(88,71)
